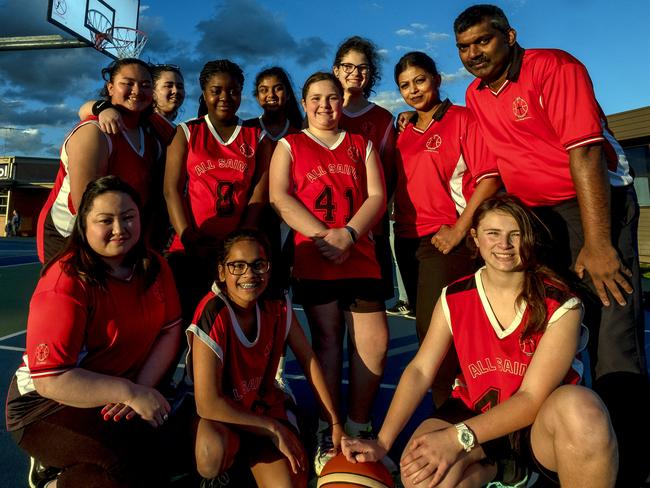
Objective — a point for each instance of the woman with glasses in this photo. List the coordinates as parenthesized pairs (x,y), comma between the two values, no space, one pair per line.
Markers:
(216,180)
(356,65)
(236,340)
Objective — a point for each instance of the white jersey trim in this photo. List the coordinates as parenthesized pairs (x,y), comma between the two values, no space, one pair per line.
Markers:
(498,329)
(205,339)
(216,135)
(282,133)
(336,144)
(456,185)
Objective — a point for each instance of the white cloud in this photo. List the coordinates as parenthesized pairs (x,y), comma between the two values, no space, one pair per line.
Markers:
(400,47)
(144,8)
(390,100)
(436,36)
(460,74)
(404,32)
(382,52)
(415,25)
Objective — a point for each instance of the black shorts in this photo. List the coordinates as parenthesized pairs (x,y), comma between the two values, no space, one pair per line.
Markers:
(511,453)
(359,295)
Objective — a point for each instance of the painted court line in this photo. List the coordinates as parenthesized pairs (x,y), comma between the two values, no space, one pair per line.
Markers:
(12,348)
(20,332)
(301,377)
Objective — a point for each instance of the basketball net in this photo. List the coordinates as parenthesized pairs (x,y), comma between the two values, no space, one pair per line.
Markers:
(125,42)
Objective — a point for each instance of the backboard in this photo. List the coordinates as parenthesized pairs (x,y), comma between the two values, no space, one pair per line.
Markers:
(84,19)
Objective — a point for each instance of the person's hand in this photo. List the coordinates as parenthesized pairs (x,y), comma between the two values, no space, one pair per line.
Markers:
(110,121)
(403,120)
(290,446)
(337,434)
(333,243)
(362,450)
(117,412)
(149,404)
(606,271)
(429,456)
(447,238)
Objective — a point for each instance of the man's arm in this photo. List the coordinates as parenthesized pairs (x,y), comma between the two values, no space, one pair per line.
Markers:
(597,256)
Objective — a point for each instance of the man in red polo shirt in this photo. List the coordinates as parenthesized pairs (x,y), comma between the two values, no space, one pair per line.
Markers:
(538,112)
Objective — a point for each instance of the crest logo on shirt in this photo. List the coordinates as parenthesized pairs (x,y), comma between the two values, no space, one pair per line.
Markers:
(246,150)
(527,345)
(42,353)
(520,108)
(353,154)
(433,143)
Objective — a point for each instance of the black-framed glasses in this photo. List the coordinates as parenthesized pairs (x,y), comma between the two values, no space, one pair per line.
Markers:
(238,268)
(349,68)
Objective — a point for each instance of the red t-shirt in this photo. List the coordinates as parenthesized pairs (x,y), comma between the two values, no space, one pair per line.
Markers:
(133,167)
(72,324)
(331,183)
(219,176)
(493,361)
(545,108)
(437,171)
(249,366)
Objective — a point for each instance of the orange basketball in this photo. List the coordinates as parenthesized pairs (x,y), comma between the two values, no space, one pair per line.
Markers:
(339,473)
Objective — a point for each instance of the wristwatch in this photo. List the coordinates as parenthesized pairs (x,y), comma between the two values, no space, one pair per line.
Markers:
(465,437)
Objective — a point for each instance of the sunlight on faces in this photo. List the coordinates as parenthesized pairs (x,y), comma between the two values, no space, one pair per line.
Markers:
(485,51)
(131,88)
(245,289)
(271,94)
(169,92)
(222,96)
(358,78)
(498,239)
(419,88)
(113,226)
(323,105)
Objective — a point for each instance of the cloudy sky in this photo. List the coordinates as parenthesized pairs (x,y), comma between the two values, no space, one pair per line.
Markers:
(40,91)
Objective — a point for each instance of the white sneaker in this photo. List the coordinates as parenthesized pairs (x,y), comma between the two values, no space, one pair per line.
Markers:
(324,450)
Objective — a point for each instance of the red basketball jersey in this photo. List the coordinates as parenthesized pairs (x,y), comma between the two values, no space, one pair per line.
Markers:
(373,122)
(331,183)
(437,171)
(132,166)
(494,360)
(249,365)
(219,176)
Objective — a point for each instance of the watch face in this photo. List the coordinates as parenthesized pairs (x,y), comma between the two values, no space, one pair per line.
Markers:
(467,438)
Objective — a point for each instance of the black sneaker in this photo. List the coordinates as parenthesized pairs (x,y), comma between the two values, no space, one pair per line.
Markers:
(40,475)
(400,308)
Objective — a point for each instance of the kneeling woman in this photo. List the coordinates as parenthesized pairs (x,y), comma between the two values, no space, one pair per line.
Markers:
(236,340)
(103,329)
(516,329)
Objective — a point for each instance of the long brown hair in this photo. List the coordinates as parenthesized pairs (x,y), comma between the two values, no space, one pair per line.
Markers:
(536,274)
(79,259)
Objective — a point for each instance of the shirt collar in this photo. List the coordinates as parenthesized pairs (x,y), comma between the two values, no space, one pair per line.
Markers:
(515,65)
(439,113)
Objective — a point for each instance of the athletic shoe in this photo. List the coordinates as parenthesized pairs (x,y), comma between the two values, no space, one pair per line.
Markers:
(39,475)
(400,308)
(324,450)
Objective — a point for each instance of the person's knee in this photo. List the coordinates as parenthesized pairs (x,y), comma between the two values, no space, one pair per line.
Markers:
(583,422)
(215,455)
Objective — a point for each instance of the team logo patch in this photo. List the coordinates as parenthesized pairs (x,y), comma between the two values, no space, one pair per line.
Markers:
(527,345)
(246,150)
(433,143)
(368,129)
(42,353)
(60,7)
(353,154)
(520,108)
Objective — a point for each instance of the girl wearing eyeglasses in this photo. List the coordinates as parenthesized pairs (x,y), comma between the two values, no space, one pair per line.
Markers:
(236,340)
(215,180)
(356,65)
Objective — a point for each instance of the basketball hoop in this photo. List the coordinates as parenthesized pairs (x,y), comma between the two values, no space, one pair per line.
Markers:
(124,41)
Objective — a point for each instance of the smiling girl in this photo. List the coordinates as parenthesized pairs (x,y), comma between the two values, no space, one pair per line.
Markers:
(515,408)
(236,340)
(216,180)
(327,185)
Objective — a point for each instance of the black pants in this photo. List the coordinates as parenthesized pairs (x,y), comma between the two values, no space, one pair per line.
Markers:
(617,344)
(425,272)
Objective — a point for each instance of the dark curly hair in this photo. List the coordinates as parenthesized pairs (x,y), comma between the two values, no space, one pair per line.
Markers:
(367,48)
